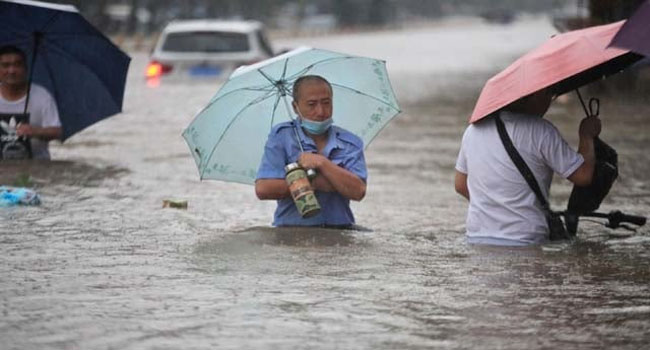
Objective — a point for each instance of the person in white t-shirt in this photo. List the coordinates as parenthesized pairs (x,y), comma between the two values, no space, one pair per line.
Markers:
(503,210)
(44,123)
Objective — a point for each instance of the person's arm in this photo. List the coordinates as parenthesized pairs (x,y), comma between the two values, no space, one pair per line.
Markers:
(50,126)
(45,134)
(271,189)
(270,183)
(321,183)
(589,129)
(460,178)
(460,183)
(336,178)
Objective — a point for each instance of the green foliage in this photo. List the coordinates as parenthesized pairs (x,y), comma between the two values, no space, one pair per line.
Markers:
(23,180)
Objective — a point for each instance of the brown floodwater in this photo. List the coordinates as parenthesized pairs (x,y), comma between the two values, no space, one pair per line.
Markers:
(101,265)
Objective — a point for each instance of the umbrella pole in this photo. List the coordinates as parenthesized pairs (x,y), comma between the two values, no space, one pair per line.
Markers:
(295,128)
(582,102)
(592,111)
(37,42)
(311,173)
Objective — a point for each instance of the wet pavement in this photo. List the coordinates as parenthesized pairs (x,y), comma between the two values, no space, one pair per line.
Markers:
(101,265)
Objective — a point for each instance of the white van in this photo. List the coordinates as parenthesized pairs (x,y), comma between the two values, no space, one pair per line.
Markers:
(207,48)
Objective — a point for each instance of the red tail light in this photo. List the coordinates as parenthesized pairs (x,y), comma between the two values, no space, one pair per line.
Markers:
(156,69)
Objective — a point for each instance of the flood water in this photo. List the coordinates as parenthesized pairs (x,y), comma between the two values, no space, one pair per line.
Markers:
(101,265)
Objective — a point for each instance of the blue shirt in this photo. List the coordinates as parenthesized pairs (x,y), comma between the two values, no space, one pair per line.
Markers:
(343,148)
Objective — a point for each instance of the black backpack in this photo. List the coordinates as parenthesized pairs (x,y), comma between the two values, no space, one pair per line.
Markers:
(587,199)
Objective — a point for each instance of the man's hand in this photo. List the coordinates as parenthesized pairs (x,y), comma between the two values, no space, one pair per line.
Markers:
(24,130)
(45,134)
(311,160)
(316,161)
(590,127)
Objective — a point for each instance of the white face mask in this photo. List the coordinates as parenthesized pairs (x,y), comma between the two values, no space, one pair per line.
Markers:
(316,128)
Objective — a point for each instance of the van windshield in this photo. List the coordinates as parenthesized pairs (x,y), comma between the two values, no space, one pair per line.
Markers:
(202,41)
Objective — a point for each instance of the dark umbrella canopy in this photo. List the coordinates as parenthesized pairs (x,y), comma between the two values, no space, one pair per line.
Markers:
(75,62)
(635,33)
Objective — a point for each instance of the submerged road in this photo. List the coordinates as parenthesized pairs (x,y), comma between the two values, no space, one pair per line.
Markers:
(101,265)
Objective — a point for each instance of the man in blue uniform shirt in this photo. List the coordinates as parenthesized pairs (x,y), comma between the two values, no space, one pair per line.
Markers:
(336,155)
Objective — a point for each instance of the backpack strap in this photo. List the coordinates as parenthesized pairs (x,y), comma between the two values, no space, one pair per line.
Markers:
(520,163)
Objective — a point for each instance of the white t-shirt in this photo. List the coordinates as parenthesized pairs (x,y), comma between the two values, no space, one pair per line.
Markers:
(42,113)
(502,207)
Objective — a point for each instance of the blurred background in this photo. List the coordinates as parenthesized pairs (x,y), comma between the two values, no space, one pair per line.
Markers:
(145,18)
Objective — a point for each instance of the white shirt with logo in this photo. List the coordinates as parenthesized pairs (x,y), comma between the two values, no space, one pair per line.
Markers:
(42,113)
(502,207)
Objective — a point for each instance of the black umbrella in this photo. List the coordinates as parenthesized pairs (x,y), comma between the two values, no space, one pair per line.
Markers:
(74,61)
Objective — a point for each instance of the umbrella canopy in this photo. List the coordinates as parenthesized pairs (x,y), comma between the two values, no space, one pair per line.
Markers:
(564,63)
(227,137)
(75,62)
(635,33)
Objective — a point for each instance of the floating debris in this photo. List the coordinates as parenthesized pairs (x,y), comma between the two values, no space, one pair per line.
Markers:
(175,203)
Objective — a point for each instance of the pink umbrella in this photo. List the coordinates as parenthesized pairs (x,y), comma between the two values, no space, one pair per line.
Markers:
(564,62)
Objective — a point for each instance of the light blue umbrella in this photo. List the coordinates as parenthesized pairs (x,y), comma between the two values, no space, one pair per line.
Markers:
(227,137)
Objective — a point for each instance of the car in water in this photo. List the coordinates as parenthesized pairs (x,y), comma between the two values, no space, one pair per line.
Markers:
(189,49)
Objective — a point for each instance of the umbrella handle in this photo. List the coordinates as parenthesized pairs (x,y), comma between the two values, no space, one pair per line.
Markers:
(311,173)
(594,105)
